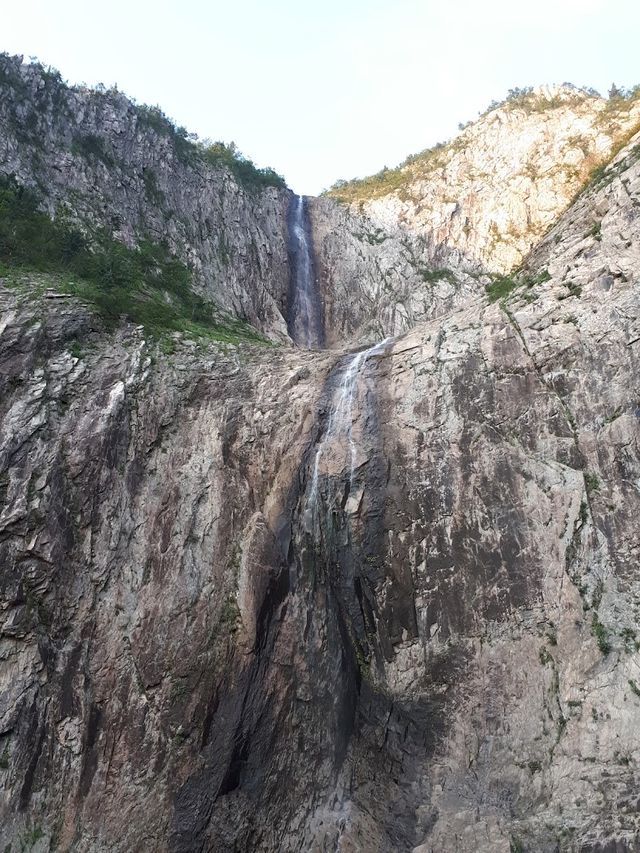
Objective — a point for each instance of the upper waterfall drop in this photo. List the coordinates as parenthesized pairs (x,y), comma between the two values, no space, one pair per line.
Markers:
(305,323)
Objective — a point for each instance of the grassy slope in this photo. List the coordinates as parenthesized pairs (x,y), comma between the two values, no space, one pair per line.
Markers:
(145,285)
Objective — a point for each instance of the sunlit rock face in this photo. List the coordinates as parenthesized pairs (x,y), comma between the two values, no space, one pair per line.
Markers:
(473,206)
(268,599)
(502,183)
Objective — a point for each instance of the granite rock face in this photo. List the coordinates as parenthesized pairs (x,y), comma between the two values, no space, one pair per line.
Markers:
(254,598)
(375,284)
(98,158)
(492,193)
(472,207)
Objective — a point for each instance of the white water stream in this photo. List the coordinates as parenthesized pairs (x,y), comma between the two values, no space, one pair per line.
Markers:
(341,417)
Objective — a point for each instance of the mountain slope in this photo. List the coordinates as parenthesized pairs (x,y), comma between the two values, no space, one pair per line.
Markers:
(105,162)
(489,195)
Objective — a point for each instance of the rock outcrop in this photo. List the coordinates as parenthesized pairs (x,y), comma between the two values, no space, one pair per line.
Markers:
(488,196)
(413,243)
(375,284)
(103,161)
(247,604)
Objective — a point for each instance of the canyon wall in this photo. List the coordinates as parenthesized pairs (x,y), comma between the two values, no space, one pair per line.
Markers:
(253,598)
(105,162)
(413,243)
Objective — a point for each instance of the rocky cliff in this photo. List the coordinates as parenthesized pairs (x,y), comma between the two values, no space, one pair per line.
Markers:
(256,598)
(488,196)
(410,243)
(104,161)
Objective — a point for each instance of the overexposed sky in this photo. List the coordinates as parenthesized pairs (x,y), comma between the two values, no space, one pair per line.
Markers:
(333,88)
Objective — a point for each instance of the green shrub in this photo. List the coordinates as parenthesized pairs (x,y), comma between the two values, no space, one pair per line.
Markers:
(544,656)
(592,482)
(75,348)
(430,276)
(573,288)
(524,98)
(92,147)
(155,119)
(219,154)
(600,633)
(382,183)
(500,288)
(596,231)
(388,180)
(151,188)
(552,636)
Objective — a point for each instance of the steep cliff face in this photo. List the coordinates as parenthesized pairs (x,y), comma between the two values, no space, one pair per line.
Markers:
(488,196)
(374,283)
(99,158)
(472,207)
(257,598)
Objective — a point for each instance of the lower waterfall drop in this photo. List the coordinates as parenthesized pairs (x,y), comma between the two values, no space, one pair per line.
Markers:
(340,423)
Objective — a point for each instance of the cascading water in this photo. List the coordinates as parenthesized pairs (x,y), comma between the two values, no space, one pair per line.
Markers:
(305,310)
(341,416)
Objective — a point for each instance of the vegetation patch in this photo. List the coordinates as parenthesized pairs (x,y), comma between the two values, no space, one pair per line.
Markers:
(382,183)
(54,93)
(151,188)
(500,288)
(592,482)
(374,238)
(596,231)
(219,154)
(526,99)
(146,285)
(544,656)
(189,149)
(92,147)
(574,289)
(387,181)
(432,276)
(600,633)
(629,637)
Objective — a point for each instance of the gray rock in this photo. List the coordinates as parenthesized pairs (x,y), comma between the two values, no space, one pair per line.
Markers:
(441,656)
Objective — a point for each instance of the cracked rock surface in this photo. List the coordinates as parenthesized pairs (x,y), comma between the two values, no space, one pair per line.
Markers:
(433,648)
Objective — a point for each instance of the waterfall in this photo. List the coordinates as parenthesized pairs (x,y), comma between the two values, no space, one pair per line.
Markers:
(341,416)
(305,311)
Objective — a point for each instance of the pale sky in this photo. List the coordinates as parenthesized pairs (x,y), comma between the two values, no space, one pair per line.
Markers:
(331,89)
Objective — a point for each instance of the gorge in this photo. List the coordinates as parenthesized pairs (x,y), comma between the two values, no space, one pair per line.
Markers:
(335,548)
